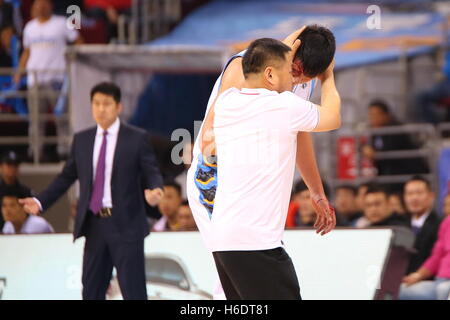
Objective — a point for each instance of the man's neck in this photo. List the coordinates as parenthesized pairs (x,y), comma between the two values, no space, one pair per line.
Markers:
(172,223)
(9,180)
(107,126)
(18,225)
(253,82)
(43,19)
(421,214)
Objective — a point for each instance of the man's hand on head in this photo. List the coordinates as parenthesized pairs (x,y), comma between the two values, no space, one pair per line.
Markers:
(327,73)
(290,39)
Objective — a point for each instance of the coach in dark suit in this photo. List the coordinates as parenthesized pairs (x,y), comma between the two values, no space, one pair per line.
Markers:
(117,172)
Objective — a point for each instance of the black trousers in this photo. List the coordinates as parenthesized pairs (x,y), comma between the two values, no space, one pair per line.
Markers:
(257,275)
(104,250)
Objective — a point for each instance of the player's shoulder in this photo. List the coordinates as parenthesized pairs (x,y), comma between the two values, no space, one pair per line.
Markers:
(58,19)
(292,100)
(134,131)
(289,96)
(30,25)
(228,94)
(38,221)
(85,132)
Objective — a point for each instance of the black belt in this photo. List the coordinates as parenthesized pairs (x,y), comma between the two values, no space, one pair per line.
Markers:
(104,213)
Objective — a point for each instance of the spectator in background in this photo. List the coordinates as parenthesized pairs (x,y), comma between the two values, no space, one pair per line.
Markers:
(446,208)
(301,213)
(306,216)
(346,207)
(396,203)
(419,200)
(6,34)
(377,210)
(381,116)
(17,221)
(9,181)
(45,40)
(182,176)
(415,285)
(362,222)
(109,11)
(433,105)
(185,218)
(10,16)
(362,189)
(168,207)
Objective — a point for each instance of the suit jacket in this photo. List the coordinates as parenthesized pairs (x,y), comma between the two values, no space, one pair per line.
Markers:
(134,169)
(424,242)
(393,220)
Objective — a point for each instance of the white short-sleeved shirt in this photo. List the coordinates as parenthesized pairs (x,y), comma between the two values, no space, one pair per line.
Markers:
(256,140)
(199,212)
(32,225)
(47,43)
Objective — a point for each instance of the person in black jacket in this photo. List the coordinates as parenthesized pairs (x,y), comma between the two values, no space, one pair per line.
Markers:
(346,206)
(116,168)
(378,211)
(419,200)
(381,116)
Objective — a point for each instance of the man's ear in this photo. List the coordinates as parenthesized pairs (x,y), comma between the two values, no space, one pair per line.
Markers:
(270,76)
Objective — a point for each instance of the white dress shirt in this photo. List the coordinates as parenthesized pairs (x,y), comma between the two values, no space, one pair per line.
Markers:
(419,222)
(111,141)
(32,225)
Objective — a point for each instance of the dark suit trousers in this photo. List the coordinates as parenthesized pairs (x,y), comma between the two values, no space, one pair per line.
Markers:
(104,250)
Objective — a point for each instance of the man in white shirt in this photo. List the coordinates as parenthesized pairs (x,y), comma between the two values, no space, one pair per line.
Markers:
(311,59)
(17,221)
(45,41)
(255,136)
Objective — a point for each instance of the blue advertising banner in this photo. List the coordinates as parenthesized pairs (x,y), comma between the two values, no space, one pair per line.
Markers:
(364,33)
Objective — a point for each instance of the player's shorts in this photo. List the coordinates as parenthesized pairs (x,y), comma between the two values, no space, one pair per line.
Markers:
(206,181)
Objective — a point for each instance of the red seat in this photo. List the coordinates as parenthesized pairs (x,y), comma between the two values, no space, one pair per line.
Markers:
(94,31)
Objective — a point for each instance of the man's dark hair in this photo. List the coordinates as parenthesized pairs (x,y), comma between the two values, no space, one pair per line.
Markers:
(317,49)
(261,52)
(108,88)
(374,188)
(300,186)
(175,185)
(380,104)
(365,185)
(420,178)
(12,192)
(349,187)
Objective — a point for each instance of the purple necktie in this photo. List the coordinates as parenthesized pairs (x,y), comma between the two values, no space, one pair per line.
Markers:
(99,183)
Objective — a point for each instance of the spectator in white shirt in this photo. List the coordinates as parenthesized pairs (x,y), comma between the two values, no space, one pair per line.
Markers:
(45,40)
(17,221)
(168,207)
